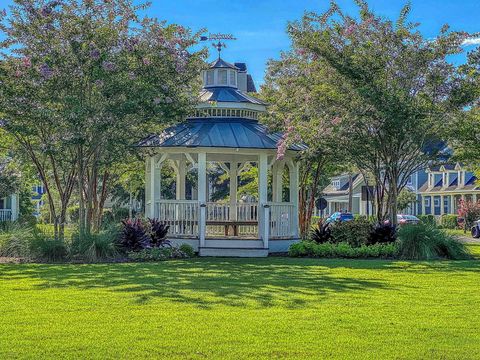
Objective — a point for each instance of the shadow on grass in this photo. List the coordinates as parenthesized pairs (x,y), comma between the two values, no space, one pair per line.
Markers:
(203,282)
(289,283)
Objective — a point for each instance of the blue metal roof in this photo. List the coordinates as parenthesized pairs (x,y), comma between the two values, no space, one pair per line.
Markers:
(227,94)
(218,132)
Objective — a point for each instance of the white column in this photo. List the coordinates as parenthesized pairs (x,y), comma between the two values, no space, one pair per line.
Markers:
(153,186)
(262,197)
(202,196)
(180,185)
(277,181)
(442,205)
(233,172)
(148,186)
(14,207)
(422,199)
(293,171)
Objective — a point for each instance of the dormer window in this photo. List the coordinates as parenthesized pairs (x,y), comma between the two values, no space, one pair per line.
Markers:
(222,77)
(336,184)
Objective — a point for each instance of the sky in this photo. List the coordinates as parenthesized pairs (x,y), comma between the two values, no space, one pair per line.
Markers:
(259,25)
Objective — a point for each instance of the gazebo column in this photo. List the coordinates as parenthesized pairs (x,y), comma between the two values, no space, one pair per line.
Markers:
(277,181)
(293,172)
(154,185)
(263,220)
(180,185)
(202,196)
(233,172)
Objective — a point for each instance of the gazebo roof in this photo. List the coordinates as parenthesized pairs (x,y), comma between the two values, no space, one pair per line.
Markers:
(218,133)
(227,94)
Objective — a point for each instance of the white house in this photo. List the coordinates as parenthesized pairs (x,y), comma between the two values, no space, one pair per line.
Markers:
(9,208)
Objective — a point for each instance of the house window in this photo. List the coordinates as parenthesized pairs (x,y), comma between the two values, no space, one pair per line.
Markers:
(233,78)
(426,201)
(436,202)
(210,77)
(336,184)
(410,180)
(222,77)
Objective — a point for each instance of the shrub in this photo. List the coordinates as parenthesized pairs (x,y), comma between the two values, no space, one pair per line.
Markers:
(159,254)
(187,249)
(342,250)
(95,247)
(354,232)
(158,233)
(16,240)
(73,213)
(49,249)
(428,219)
(134,236)
(321,234)
(424,242)
(382,233)
(449,221)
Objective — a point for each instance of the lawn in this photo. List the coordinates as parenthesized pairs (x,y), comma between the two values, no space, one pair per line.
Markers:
(242,309)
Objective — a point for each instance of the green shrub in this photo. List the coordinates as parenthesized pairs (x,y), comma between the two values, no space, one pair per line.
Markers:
(187,249)
(47,249)
(16,240)
(428,219)
(354,232)
(425,242)
(341,250)
(95,247)
(448,221)
(73,213)
(158,254)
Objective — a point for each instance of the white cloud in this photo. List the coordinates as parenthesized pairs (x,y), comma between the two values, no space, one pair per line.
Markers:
(471,41)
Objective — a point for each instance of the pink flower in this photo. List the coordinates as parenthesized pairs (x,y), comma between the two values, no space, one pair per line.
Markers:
(350,29)
(281,148)
(27,62)
(336,120)
(146,61)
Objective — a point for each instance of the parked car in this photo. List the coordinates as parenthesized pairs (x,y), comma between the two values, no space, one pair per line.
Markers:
(476,229)
(407,219)
(339,217)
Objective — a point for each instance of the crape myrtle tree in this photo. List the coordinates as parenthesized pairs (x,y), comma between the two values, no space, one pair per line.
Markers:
(398,90)
(81,82)
(301,105)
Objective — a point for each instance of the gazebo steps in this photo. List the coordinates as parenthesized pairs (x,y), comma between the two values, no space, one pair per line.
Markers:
(232,252)
(234,243)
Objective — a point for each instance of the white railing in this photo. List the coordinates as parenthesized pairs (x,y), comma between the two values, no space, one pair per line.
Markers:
(281,220)
(5,215)
(181,215)
(222,212)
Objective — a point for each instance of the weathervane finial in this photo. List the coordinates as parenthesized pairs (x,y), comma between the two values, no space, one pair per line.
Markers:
(219,45)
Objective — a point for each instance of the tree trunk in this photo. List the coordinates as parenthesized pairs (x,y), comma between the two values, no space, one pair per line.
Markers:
(81,203)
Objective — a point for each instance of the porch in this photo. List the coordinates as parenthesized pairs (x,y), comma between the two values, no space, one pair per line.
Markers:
(6,215)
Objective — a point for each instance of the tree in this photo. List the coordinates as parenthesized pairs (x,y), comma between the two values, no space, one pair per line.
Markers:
(83,80)
(406,198)
(302,105)
(396,91)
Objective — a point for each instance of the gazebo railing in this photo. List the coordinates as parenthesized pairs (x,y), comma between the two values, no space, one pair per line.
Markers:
(281,220)
(181,215)
(5,215)
(222,212)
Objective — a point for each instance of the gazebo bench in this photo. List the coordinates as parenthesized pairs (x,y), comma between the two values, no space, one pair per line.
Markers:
(232,223)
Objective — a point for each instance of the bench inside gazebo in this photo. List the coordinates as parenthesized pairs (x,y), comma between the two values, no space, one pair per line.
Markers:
(224,130)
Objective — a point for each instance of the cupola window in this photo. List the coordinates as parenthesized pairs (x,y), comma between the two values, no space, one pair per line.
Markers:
(222,77)
(209,77)
(233,78)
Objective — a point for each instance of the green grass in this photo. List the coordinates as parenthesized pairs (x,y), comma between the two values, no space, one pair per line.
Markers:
(242,309)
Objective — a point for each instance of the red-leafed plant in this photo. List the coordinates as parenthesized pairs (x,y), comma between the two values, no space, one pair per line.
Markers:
(134,236)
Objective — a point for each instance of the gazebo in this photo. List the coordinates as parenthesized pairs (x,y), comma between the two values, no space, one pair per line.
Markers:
(224,129)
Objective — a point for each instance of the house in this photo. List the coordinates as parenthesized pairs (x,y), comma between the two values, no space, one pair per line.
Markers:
(446,185)
(9,208)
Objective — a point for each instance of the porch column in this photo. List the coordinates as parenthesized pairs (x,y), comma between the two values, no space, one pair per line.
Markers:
(263,222)
(422,199)
(202,196)
(474,198)
(442,205)
(180,185)
(14,207)
(233,173)
(277,181)
(293,173)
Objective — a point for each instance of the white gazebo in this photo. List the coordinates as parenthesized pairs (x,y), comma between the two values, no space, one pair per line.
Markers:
(224,130)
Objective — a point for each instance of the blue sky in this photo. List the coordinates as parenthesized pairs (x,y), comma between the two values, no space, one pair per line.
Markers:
(260,25)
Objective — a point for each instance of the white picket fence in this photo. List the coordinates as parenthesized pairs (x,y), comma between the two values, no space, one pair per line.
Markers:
(5,215)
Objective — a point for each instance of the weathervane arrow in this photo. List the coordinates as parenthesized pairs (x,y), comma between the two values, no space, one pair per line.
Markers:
(218,36)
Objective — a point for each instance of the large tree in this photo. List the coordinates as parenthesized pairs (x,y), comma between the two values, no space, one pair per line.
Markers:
(397,91)
(83,80)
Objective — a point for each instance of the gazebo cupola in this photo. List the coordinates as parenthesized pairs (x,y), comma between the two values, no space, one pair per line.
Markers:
(224,130)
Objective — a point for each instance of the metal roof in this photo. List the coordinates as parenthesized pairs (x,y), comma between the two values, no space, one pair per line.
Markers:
(218,132)
(227,94)
(220,63)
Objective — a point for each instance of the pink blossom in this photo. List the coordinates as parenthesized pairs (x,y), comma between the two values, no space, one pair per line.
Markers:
(146,61)
(336,120)
(350,29)
(281,148)
(27,62)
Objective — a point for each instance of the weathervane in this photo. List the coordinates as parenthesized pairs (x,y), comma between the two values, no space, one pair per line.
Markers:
(219,45)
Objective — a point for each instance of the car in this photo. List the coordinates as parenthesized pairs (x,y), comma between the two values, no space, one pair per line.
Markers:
(476,229)
(407,219)
(339,217)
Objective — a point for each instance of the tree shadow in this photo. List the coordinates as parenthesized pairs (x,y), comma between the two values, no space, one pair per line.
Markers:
(203,282)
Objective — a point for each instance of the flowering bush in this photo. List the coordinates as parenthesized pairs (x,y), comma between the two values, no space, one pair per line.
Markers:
(469,211)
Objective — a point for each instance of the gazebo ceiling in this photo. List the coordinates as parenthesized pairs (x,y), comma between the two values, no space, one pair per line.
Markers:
(218,133)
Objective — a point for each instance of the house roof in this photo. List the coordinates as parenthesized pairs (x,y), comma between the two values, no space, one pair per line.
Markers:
(330,190)
(219,133)
(228,94)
